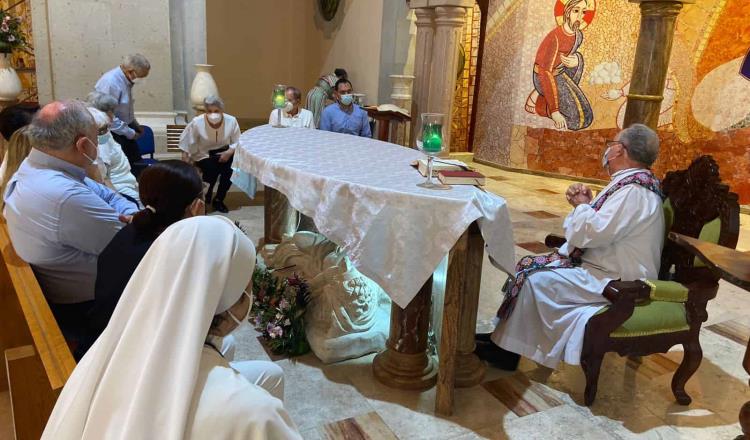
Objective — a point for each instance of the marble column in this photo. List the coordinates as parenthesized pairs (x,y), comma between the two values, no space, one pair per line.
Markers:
(652,60)
(449,25)
(405,363)
(422,65)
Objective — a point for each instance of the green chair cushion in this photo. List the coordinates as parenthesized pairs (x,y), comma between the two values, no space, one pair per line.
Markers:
(653,318)
(668,217)
(710,233)
(671,291)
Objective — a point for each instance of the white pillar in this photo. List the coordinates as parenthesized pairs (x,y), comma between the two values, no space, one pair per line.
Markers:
(422,65)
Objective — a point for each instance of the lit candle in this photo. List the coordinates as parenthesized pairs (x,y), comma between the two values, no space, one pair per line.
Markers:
(278,101)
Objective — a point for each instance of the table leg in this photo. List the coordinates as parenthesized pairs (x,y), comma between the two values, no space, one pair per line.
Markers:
(405,362)
(459,366)
(279,217)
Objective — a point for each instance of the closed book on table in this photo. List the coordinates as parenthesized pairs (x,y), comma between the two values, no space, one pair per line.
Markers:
(449,177)
(438,166)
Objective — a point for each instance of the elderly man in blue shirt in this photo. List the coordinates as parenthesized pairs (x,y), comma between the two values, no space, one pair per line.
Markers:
(119,83)
(344,116)
(59,220)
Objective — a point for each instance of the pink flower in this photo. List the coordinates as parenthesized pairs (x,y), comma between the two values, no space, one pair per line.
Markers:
(276,332)
(284,304)
(11,38)
(4,27)
(6,18)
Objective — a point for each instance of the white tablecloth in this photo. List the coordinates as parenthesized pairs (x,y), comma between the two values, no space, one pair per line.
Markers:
(362,195)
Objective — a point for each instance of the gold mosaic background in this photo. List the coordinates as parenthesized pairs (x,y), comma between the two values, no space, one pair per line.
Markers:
(464,97)
(706,107)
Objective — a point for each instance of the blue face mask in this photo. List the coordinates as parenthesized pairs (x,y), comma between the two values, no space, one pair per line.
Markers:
(104,138)
(347,99)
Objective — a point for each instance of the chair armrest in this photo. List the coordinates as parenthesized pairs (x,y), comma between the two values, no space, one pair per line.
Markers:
(635,291)
(554,241)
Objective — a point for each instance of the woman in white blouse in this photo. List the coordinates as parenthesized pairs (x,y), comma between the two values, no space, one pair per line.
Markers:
(209,141)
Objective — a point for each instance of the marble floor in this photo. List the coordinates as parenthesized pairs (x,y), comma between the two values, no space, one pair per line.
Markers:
(344,401)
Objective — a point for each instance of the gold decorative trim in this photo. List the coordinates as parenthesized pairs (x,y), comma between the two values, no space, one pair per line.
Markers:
(652,98)
(706,34)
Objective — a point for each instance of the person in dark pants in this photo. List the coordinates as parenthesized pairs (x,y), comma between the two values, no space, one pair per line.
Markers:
(209,141)
(119,83)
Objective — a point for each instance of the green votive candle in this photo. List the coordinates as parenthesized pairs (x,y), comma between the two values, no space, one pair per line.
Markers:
(432,141)
(278,101)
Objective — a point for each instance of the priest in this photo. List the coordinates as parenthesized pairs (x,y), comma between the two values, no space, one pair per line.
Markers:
(617,235)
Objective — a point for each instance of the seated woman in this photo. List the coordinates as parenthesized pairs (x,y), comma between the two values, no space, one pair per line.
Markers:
(171,190)
(112,163)
(151,375)
(292,115)
(18,148)
(209,141)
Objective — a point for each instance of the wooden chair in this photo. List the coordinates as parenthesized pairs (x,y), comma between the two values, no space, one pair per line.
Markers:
(652,316)
(37,361)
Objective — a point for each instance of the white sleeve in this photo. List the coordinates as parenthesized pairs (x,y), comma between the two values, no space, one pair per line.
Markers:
(586,228)
(234,137)
(186,139)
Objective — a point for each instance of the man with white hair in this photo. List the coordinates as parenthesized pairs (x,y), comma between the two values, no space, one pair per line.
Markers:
(119,83)
(209,142)
(58,219)
(616,235)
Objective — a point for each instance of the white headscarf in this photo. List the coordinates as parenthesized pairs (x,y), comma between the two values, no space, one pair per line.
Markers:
(138,380)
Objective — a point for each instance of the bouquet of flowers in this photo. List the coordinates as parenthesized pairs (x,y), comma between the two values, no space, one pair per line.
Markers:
(11,34)
(278,311)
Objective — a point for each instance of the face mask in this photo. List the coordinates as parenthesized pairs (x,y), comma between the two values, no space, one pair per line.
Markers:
(234,318)
(96,151)
(288,106)
(347,99)
(103,139)
(605,160)
(214,118)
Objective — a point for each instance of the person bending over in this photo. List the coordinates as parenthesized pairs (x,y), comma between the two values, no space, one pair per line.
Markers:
(209,141)
(152,374)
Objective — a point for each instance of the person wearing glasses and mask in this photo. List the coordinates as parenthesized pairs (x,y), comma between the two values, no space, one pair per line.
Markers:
(209,142)
(59,220)
(344,116)
(293,115)
(119,83)
(616,235)
(154,372)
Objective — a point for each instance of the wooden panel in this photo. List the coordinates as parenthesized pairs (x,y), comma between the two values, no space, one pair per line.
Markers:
(31,397)
(13,329)
(368,426)
(48,339)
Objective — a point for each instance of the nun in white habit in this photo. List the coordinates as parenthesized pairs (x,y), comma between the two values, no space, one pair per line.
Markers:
(151,373)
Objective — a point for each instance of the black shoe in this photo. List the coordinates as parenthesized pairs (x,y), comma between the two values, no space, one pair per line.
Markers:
(219,206)
(483,337)
(497,357)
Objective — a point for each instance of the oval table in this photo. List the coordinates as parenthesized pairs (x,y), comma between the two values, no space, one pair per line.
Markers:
(362,194)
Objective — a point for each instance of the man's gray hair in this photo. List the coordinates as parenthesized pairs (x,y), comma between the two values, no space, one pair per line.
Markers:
(100,118)
(102,101)
(213,101)
(58,128)
(137,62)
(642,143)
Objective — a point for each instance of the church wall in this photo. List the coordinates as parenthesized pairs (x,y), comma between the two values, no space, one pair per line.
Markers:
(75,42)
(255,45)
(707,102)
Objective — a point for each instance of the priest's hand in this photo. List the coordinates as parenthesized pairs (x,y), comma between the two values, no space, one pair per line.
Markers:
(570,61)
(578,194)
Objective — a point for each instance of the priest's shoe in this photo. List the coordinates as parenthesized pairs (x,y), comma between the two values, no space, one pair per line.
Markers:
(496,356)
(219,206)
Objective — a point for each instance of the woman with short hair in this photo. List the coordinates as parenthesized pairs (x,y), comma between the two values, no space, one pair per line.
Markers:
(111,161)
(209,142)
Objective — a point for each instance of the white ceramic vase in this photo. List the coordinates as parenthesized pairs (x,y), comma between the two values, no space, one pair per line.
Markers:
(401,93)
(203,86)
(10,83)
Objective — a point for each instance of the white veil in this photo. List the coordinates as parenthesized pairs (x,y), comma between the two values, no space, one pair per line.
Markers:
(138,380)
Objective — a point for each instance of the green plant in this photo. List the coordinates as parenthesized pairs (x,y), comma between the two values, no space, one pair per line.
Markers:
(11,33)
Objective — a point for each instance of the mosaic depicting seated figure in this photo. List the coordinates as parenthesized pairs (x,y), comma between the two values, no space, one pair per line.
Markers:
(348,314)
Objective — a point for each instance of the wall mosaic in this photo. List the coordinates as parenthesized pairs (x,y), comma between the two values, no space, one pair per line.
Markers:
(555,74)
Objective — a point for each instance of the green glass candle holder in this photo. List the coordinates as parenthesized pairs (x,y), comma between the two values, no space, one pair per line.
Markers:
(431,143)
(278,100)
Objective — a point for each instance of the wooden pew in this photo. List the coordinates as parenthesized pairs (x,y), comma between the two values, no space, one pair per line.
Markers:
(36,359)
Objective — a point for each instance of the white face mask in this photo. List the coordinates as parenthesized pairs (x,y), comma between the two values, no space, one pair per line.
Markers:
(605,160)
(139,81)
(104,139)
(214,118)
(240,321)
(96,152)
(288,107)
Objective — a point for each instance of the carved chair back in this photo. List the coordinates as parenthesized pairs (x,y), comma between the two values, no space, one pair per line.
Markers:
(697,197)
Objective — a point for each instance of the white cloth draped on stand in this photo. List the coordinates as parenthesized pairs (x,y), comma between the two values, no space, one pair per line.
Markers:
(622,240)
(363,195)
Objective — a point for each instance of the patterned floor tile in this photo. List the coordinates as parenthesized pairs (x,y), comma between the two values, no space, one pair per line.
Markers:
(734,330)
(542,214)
(521,395)
(535,247)
(365,427)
